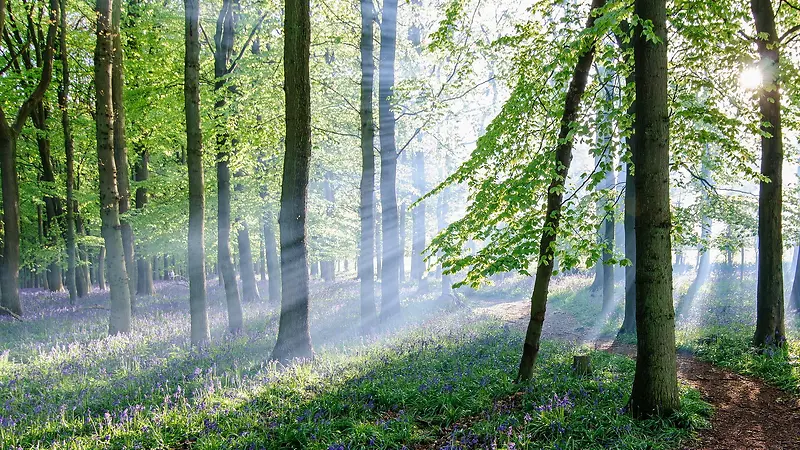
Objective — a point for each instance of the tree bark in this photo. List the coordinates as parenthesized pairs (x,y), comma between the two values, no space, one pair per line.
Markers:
(246,269)
(69,150)
(273,260)
(629,322)
(328,267)
(552,218)
(704,256)
(144,273)
(294,338)
(366,255)
(390,270)
(120,147)
(770,326)
(196,255)
(120,317)
(655,385)
(52,204)
(224,47)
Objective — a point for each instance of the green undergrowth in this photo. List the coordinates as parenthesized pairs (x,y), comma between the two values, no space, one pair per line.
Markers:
(731,347)
(410,389)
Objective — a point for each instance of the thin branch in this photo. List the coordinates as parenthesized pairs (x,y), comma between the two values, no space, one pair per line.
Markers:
(10,313)
(205,38)
(247,43)
(788,32)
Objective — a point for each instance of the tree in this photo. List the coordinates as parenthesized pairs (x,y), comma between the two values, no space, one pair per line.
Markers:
(120,317)
(194,159)
(655,384)
(144,271)
(120,147)
(69,150)
(294,338)
(223,52)
(555,195)
(366,255)
(390,268)
(9,132)
(273,260)
(770,328)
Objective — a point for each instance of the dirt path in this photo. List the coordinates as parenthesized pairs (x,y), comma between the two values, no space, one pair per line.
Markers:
(749,414)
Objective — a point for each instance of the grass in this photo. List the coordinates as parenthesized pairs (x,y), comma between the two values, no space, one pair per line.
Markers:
(443,377)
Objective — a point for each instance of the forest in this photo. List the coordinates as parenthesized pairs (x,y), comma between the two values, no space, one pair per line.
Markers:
(430,224)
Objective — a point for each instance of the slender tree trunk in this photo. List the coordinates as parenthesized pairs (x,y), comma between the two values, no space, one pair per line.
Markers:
(120,148)
(262,255)
(120,318)
(101,269)
(294,339)
(655,384)
(629,322)
(246,269)
(196,255)
(144,278)
(273,260)
(378,245)
(770,327)
(563,158)
(52,208)
(401,225)
(224,40)
(83,282)
(390,270)
(328,266)
(69,149)
(441,216)
(366,256)
(418,218)
(795,294)
(704,255)
(608,223)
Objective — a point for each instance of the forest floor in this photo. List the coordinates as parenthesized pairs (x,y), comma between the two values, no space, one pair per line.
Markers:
(749,413)
(439,377)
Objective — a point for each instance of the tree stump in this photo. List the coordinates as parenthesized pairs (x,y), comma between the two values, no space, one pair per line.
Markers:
(582,365)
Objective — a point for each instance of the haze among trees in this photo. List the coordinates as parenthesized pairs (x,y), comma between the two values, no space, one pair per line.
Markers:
(382,224)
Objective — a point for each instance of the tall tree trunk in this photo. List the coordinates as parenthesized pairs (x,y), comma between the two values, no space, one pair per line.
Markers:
(273,260)
(703,253)
(224,48)
(378,245)
(69,150)
(262,255)
(52,204)
(441,219)
(120,317)
(390,270)
(101,269)
(120,147)
(401,226)
(552,217)
(608,223)
(366,255)
(629,322)
(655,384)
(294,338)
(83,282)
(770,327)
(418,219)
(328,266)
(144,278)
(795,294)
(246,269)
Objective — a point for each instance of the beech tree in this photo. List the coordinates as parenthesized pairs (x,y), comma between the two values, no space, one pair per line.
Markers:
(120,318)
(294,338)
(655,384)
(194,159)
(9,133)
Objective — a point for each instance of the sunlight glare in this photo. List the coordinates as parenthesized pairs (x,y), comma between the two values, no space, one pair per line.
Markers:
(750,78)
